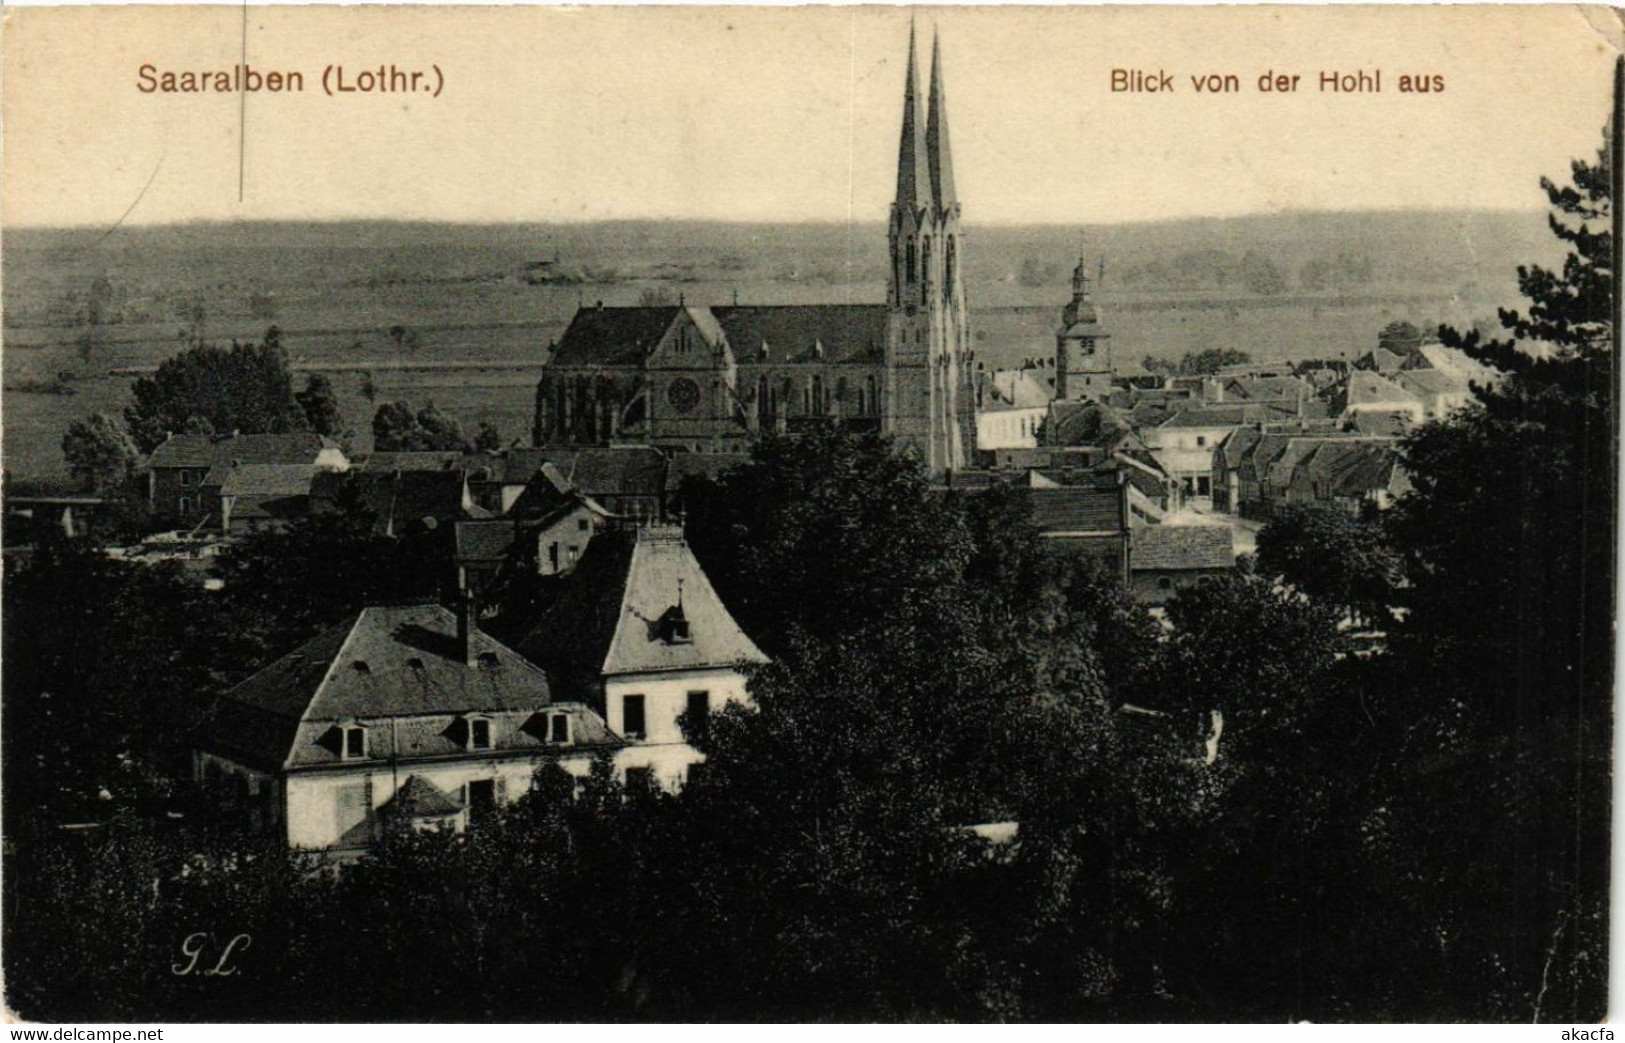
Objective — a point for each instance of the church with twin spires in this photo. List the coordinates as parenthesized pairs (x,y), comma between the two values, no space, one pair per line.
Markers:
(711,378)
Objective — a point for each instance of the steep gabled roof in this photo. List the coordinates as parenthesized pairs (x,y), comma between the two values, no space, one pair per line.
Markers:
(612,336)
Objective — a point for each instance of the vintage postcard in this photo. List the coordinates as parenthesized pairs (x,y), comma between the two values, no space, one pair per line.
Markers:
(719,514)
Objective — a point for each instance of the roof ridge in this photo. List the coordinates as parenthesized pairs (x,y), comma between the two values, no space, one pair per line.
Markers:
(327,675)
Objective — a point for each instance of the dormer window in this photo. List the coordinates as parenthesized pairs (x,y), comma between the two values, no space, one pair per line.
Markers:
(673,626)
(559,728)
(479,733)
(355,742)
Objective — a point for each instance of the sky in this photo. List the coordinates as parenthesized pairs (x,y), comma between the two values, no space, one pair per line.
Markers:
(789,114)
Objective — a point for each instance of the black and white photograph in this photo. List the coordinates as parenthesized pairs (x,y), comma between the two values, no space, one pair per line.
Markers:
(863,514)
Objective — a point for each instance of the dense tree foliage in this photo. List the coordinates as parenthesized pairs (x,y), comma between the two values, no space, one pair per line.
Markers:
(1400,337)
(1202,363)
(1338,558)
(395,428)
(321,406)
(245,388)
(101,455)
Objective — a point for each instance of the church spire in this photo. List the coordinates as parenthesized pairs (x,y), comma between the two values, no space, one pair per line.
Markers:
(913,173)
(940,156)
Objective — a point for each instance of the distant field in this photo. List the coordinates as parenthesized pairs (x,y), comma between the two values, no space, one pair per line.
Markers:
(469,294)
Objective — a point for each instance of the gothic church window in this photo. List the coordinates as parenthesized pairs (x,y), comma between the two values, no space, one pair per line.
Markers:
(925,263)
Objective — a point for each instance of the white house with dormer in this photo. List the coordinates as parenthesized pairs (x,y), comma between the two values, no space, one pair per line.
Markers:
(403,714)
(644,638)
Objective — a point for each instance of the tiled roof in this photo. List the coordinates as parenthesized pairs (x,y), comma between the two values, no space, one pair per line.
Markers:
(1376,422)
(183,451)
(1084,423)
(846,332)
(521,464)
(478,466)
(268,480)
(1017,389)
(1092,507)
(202,451)
(701,465)
(399,672)
(664,570)
(487,539)
(399,500)
(1430,382)
(1381,360)
(617,471)
(1367,388)
(1230,415)
(1170,547)
(612,336)
(1351,468)
(790,333)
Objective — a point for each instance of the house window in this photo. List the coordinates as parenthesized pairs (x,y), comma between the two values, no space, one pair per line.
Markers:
(185,505)
(632,722)
(582,524)
(354,806)
(355,742)
(479,733)
(186,477)
(699,714)
(560,725)
(1201,440)
(482,798)
(640,780)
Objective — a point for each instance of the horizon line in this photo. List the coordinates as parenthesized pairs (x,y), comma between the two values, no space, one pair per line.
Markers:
(198,222)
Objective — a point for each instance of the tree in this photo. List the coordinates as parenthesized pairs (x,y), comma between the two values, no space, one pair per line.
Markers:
(395,428)
(1400,337)
(807,535)
(1332,556)
(488,439)
(247,388)
(404,338)
(321,405)
(101,455)
(1506,651)
(1210,360)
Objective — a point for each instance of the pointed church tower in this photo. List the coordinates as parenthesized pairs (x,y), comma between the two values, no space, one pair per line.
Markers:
(928,359)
